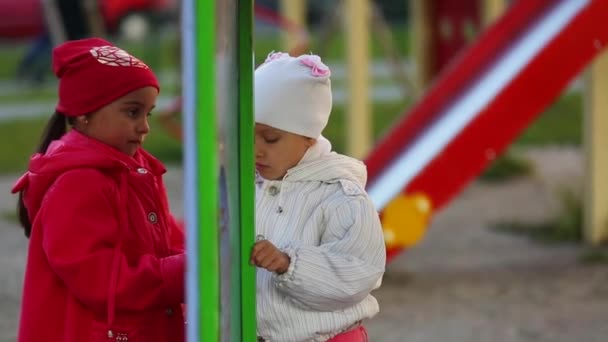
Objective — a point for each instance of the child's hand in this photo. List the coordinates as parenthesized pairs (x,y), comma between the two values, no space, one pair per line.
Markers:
(265,255)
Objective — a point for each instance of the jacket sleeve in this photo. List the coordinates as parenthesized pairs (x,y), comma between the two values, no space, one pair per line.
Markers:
(345,267)
(80,238)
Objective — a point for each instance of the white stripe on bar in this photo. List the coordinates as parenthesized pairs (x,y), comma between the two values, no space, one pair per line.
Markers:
(412,161)
(190,165)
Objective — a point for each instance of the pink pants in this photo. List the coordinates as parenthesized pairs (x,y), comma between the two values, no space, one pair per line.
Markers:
(358,334)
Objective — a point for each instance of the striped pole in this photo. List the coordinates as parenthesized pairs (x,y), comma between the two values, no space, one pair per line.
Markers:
(200,170)
(218,169)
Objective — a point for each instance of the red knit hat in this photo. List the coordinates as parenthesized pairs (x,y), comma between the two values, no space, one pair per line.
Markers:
(93,73)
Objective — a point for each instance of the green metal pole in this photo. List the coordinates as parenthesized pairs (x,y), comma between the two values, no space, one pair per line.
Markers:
(203,179)
(207,168)
(246,154)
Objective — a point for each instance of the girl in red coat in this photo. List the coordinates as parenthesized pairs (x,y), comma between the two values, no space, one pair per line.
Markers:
(106,259)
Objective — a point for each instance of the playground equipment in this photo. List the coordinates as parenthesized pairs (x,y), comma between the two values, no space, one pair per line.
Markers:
(481,102)
(466,119)
(218,169)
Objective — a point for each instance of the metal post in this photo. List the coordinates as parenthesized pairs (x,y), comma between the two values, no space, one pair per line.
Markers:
(421,40)
(357,24)
(492,9)
(596,145)
(295,12)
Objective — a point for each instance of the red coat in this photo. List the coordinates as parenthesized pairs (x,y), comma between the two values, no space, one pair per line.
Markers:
(105,256)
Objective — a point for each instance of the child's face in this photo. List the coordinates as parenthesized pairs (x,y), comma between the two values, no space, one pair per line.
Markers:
(277,151)
(123,124)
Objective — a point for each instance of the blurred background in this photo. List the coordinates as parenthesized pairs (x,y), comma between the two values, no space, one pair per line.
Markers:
(507,259)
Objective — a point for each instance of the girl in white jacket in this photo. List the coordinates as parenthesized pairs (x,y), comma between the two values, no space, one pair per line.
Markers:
(321,250)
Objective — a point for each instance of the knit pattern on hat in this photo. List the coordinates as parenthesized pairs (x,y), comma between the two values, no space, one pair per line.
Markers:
(93,73)
(293,94)
(111,55)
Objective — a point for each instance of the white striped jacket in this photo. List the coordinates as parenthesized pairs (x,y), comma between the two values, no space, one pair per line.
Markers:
(320,215)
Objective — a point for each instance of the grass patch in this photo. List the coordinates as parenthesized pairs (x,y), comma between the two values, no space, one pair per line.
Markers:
(30,94)
(10,56)
(19,139)
(162,146)
(334,48)
(162,52)
(384,116)
(47,93)
(566,227)
(546,232)
(10,216)
(561,123)
(594,256)
(159,52)
(508,166)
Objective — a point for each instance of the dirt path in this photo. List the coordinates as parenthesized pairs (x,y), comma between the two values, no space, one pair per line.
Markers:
(464,282)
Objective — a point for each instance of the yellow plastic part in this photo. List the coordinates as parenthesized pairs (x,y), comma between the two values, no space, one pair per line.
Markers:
(406,219)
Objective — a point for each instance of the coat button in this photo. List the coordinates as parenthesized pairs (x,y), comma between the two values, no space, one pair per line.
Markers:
(142,171)
(273,190)
(169,312)
(152,217)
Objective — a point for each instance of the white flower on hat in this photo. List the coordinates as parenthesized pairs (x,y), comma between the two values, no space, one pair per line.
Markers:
(113,56)
(293,94)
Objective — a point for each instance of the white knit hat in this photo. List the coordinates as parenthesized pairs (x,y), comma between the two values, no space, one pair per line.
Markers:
(293,94)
